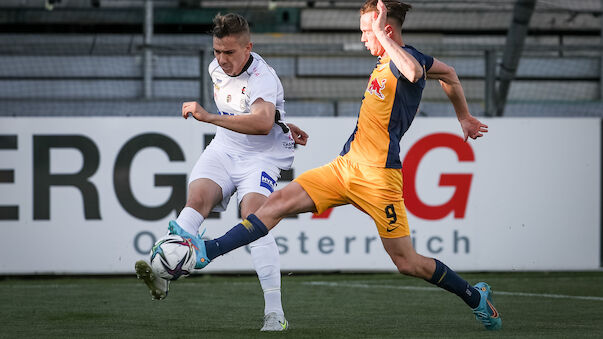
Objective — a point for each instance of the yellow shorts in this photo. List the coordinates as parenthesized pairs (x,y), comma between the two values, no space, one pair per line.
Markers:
(374,190)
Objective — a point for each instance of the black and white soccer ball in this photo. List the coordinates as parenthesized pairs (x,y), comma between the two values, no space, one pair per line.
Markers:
(173,257)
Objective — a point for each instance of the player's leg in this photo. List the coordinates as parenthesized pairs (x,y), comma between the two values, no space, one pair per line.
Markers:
(203,195)
(267,264)
(413,264)
(382,201)
(210,185)
(313,191)
(207,185)
(409,262)
(392,225)
(290,200)
(210,188)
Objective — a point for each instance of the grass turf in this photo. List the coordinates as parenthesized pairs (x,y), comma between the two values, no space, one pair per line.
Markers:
(317,306)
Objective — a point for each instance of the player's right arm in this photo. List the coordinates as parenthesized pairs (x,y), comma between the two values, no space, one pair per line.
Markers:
(258,122)
(406,63)
(451,85)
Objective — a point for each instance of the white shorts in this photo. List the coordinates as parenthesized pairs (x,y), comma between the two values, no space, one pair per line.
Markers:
(234,173)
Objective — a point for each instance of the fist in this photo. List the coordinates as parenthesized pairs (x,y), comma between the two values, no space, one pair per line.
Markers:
(193,108)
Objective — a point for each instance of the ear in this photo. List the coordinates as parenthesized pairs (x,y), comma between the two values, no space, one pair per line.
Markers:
(389,30)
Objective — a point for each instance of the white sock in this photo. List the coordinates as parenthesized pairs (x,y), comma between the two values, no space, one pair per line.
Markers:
(190,220)
(267,264)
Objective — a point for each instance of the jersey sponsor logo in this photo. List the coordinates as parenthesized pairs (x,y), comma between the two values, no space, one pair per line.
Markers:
(243,90)
(229,98)
(289,144)
(376,87)
(267,182)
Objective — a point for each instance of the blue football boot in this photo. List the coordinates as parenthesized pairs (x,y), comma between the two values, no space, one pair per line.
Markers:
(198,244)
(485,311)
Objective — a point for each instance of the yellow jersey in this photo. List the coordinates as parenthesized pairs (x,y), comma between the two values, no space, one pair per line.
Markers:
(389,106)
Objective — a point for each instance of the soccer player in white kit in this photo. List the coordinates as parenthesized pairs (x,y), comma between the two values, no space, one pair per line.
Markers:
(251,146)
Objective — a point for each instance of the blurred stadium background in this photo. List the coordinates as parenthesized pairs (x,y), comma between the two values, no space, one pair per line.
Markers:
(96,73)
(135,57)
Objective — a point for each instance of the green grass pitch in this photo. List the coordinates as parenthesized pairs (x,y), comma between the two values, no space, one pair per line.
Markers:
(532,305)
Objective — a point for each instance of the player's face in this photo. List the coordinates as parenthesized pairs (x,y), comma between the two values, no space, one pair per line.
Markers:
(232,52)
(368,37)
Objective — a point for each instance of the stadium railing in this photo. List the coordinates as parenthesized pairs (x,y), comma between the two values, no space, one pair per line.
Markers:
(62,73)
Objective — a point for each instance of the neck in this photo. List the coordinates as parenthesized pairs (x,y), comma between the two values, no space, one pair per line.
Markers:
(398,40)
(246,66)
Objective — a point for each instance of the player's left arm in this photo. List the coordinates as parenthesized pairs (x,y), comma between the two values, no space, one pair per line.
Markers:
(258,122)
(299,135)
(451,85)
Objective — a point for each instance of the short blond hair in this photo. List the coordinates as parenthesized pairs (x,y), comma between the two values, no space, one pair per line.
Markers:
(395,9)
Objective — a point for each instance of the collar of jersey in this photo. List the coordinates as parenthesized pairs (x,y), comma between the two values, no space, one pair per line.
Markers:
(384,59)
(249,61)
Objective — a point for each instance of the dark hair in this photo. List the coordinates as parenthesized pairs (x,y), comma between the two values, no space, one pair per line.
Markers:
(395,9)
(229,24)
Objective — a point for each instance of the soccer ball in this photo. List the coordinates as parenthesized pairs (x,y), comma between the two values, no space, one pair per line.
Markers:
(173,257)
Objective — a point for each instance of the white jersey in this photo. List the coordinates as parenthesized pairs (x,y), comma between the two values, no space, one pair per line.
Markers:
(235,95)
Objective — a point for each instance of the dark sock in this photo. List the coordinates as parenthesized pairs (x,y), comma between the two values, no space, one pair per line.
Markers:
(447,279)
(242,234)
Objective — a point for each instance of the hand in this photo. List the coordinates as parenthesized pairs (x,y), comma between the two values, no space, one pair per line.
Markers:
(379,18)
(198,112)
(473,128)
(299,136)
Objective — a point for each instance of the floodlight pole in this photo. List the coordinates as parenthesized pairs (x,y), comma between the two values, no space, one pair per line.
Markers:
(490,72)
(148,52)
(522,13)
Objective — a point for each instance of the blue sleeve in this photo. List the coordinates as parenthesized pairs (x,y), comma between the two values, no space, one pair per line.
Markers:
(423,59)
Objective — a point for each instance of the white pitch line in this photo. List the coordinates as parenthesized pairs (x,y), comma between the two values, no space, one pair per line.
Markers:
(418,288)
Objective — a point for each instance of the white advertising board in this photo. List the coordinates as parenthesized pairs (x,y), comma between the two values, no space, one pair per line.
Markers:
(90,195)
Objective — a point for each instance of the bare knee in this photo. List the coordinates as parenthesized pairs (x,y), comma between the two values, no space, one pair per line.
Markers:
(200,203)
(405,266)
(416,266)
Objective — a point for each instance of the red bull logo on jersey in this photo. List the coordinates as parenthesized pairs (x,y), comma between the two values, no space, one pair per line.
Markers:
(376,87)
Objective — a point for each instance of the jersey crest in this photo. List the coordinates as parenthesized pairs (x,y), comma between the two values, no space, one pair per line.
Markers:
(376,87)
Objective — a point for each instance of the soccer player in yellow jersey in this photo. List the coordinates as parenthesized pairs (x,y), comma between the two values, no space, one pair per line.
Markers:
(367,172)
